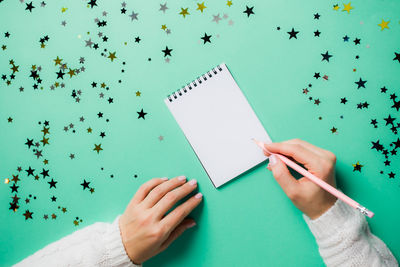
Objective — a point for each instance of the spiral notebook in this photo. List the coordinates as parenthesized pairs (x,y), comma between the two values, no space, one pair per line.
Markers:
(219,124)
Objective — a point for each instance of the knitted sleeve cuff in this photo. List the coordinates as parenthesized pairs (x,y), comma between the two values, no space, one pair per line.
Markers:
(334,219)
(116,254)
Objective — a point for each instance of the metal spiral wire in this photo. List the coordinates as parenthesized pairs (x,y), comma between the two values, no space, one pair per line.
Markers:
(199,80)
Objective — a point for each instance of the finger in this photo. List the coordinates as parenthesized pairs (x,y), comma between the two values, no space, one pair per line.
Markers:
(172,197)
(266,151)
(307,145)
(296,151)
(145,188)
(282,175)
(175,217)
(184,225)
(159,191)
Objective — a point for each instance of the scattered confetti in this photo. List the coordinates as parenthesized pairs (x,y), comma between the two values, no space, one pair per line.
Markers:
(113,43)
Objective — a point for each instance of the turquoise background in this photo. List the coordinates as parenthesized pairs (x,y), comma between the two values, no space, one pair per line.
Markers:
(249,221)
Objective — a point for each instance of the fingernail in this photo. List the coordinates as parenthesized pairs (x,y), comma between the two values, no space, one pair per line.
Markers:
(193,182)
(272,160)
(266,145)
(198,195)
(266,151)
(181,178)
(191,225)
(164,178)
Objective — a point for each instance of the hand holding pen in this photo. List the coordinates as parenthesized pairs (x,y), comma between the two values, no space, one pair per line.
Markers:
(316,192)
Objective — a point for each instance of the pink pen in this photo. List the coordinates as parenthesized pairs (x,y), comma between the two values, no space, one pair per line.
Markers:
(319,182)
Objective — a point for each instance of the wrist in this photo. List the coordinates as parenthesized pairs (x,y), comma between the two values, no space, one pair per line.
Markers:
(335,218)
(323,208)
(124,242)
(116,251)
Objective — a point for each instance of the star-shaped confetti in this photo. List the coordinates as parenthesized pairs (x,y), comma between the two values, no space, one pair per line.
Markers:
(29,6)
(201,6)
(249,11)
(28,215)
(52,183)
(184,12)
(347,7)
(85,184)
(206,38)
(397,56)
(112,56)
(167,51)
(141,114)
(326,56)
(163,7)
(97,148)
(357,166)
(360,83)
(293,34)
(384,25)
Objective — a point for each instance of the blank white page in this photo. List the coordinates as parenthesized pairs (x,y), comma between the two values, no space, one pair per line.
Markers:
(219,124)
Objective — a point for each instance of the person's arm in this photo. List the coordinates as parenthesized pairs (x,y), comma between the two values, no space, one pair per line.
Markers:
(342,233)
(99,244)
(344,239)
(144,230)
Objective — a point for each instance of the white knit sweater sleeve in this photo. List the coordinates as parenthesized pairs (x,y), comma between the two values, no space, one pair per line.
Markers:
(344,239)
(99,244)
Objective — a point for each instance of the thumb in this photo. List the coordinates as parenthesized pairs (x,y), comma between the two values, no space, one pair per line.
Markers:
(282,175)
(182,227)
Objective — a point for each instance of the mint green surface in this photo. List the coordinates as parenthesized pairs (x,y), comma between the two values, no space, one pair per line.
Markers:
(247,222)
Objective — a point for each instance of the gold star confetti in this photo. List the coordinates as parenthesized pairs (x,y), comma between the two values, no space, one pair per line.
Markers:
(184,12)
(14,68)
(45,141)
(97,148)
(57,61)
(45,130)
(63,9)
(229,3)
(384,25)
(347,7)
(164,27)
(112,56)
(71,73)
(336,7)
(138,93)
(201,7)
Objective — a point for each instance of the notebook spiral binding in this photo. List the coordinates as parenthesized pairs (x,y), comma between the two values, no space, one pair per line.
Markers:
(194,83)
